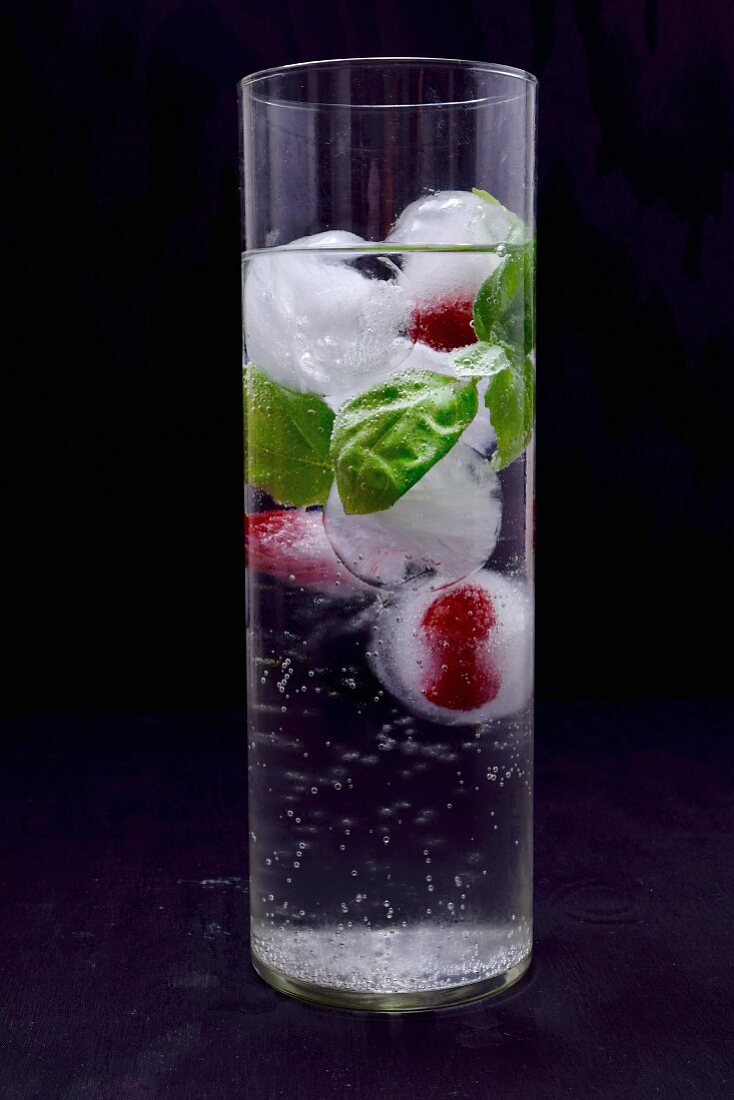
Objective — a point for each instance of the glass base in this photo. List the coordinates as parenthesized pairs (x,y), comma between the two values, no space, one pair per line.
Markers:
(390,1002)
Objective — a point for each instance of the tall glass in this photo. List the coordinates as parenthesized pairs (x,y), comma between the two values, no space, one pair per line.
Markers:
(388,240)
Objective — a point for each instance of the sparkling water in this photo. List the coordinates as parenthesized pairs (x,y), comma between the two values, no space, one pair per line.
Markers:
(390,768)
(388,853)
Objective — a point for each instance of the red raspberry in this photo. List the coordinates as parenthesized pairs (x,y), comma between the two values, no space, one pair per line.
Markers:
(460,674)
(289,544)
(443,325)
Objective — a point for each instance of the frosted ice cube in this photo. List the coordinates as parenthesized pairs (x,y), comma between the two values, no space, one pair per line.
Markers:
(449,218)
(446,525)
(480,434)
(401,657)
(318,325)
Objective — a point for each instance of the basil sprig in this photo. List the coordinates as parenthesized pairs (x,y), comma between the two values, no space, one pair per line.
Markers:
(504,322)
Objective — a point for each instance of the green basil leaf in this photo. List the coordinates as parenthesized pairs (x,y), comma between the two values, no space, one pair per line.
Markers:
(503,308)
(510,398)
(386,439)
(499,299)
(287,437)
(481,194)
(481,360)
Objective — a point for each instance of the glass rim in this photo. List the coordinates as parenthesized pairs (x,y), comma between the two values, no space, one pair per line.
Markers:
(453,62)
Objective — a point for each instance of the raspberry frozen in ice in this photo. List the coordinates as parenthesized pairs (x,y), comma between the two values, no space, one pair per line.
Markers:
(444,324)
(291,545)
(462,655)
(459,671)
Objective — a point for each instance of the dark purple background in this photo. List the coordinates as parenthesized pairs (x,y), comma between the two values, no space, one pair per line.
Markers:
(123,910)
(123,478)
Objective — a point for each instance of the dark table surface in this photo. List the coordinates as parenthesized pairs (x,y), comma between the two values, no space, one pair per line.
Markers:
(123,946)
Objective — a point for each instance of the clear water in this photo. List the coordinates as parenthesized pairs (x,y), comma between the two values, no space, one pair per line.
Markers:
(389,853)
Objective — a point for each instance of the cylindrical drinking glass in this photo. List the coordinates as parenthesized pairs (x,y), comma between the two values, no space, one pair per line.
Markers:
(388,235)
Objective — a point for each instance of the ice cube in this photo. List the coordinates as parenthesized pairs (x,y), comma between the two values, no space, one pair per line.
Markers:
(423,357)
(480,434)
(449,218)
(318,324)
(459,656)
(445,526)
